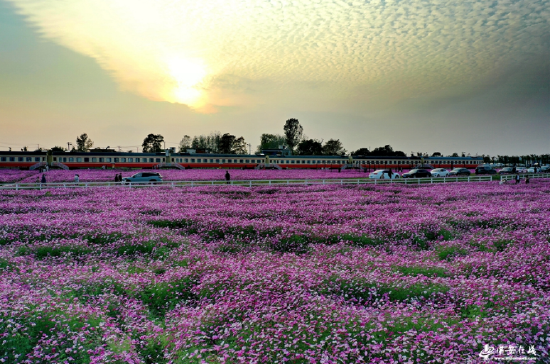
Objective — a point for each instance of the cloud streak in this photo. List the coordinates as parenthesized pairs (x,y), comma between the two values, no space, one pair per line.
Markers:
(216,53)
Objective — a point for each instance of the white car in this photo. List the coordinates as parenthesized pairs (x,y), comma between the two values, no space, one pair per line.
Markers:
(439,172)
(383,174)
(143,177)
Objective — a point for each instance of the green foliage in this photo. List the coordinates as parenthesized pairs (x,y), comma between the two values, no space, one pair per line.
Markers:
(364,291)
(449,252)
(16,347)
(161,297)
(57,251)
(425,271)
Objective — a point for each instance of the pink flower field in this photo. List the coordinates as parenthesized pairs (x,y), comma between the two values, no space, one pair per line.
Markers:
(321,274)
(99,175)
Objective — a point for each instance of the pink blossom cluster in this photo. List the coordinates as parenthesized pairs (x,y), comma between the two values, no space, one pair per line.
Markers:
(99,175)
(318,274)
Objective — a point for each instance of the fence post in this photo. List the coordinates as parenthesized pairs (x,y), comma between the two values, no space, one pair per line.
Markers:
(250,183)
(17,186)
(468,178)
(270,182)
(191,183)
(431,180)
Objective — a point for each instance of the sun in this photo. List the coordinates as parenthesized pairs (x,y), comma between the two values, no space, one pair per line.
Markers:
(186,76)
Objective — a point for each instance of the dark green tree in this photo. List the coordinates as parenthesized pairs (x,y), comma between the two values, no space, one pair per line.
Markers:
(226,143)
(152,143)
(239,146)
(293,133)
(58,149)
(361,151)
(185,144)
(309,147)
(83,143)
(334,147)
(271,141)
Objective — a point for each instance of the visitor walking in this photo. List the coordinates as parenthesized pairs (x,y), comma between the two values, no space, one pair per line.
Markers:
(227,177)
(526,179)
(517,178)
(76,178)
(43,180)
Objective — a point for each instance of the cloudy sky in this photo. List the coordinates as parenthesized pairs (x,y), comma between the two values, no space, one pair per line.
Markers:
(422,75)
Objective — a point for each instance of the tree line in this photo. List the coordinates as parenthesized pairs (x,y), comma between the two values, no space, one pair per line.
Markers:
(293,139)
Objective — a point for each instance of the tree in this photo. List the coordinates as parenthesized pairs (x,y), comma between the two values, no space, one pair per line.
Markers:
(334,147)
(239,146)
(454,155)
(293,133)
(185,144)
(361,151)
(271,141)
(152,143)
(83,143)
(24,149)
(387,151)
(309,147)
(226,143)
(436,154)
(58,149)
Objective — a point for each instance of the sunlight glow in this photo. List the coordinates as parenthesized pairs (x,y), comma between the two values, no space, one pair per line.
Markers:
(186,74)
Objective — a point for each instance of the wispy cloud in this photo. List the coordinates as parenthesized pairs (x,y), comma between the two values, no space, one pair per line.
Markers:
(215,53)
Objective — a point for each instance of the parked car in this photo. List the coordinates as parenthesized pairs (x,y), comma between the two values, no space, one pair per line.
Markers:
(506,170)
(417,173)
(485,170)
(142,177)
(545,169)
(384,174)
(440,172)
(459,172)
(521,169)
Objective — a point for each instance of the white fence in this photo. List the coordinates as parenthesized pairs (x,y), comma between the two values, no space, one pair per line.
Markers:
(511,177)
(246,183)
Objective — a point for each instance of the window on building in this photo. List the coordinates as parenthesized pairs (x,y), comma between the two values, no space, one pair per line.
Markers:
(108,160)
(86,159)
(29,159)
(71,159)
(3,159)
(192,160)
(123,160)
(157,160)
(117,160)
(94,159)
(130,160)
(12,159)
(37,159)
(101,159)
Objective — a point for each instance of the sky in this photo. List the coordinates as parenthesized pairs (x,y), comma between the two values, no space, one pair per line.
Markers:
(421,75)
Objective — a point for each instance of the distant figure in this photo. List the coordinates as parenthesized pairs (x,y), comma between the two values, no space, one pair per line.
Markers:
(76,178)
(526,179)
(517,178)
(116,177)
(390,173)
(227,177)
(43,180)
(102,167)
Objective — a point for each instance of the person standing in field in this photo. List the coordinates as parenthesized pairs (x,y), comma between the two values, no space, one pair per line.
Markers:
(43,180)
(76,178)
(227,177)
(517,178)
(526,179)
